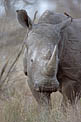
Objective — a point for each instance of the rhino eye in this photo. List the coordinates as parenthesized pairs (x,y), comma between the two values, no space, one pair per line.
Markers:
(31,60)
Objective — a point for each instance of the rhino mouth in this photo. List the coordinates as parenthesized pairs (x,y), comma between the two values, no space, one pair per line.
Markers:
(46,88)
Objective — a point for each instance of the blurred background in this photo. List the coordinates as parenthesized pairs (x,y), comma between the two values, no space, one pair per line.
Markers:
(17,103)
(8,22)
(8,7)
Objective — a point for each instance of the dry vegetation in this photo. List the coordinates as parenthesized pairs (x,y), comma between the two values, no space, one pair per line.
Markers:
(16,101)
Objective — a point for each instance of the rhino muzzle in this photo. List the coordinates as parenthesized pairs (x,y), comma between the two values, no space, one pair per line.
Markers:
(50,82)
(46,87)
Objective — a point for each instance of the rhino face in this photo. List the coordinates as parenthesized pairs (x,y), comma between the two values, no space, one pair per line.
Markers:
(40,70)
(42,57)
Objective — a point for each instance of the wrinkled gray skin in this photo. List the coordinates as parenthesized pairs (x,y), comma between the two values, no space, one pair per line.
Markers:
(54,33)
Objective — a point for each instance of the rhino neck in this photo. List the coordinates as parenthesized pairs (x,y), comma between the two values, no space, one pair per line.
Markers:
(62,44)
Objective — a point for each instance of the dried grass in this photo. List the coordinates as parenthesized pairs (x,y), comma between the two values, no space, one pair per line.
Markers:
(16,110)
(18,105)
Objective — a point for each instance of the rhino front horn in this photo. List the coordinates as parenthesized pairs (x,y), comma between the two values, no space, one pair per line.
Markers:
(51,67)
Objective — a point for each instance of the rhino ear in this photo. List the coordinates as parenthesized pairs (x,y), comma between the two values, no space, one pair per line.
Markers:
(60,27)
(29,23)
(25,61)
(24,19)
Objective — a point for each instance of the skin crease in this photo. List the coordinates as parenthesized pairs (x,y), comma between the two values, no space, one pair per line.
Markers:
(56,30)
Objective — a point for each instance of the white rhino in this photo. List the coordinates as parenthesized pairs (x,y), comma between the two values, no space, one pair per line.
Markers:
(52,59)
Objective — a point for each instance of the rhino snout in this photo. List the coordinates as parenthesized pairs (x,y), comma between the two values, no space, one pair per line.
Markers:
(46,87)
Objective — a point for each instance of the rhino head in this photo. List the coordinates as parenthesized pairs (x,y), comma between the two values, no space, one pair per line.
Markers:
(41,61)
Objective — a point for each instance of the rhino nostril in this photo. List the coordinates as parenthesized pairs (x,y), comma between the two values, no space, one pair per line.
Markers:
(56,88)
(26,73)
(57,85)
(36,87)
